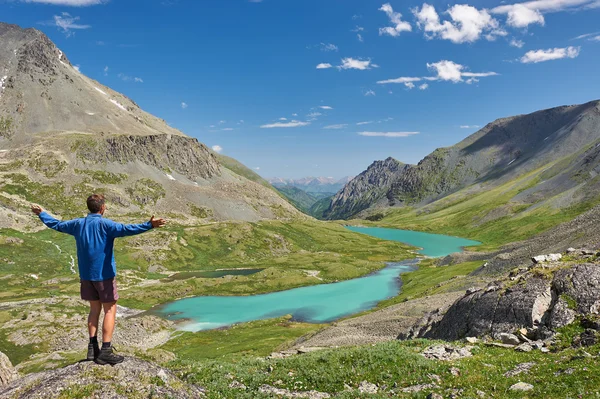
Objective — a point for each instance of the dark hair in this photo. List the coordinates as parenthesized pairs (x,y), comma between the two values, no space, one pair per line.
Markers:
(95,202)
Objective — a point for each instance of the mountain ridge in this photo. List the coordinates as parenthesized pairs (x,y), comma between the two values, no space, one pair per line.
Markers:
(495,154)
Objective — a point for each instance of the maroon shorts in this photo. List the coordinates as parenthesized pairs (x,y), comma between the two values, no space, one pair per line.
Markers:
(103,291)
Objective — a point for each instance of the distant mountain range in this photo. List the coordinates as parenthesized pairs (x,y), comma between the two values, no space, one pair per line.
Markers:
(312,184)
(557,149)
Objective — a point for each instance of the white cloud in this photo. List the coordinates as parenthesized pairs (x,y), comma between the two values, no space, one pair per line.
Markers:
(387,134)
(520,16)
(396,19)
(370,93)
(364,123)
(227,129)
(222,122)
(138,80)
(72,3)
(313,116)
(217,148)
(66,23)
(517,43)
(468,24)
(360,38)
(338,126)
(77,67)
(596,39)
(184,106)
(361,65)
(324,66)
(283,119)
(325,107)
(535,56)
(285,124)
(328,47)
(294,114)
(258,167)
(445,71)
(127,78)
(106,71)
(470,126)
(587,35)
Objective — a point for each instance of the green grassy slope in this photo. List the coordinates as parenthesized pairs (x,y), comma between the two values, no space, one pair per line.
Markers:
(491,217)
(242,170)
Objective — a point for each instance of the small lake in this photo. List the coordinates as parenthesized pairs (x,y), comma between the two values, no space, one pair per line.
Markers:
(315,304)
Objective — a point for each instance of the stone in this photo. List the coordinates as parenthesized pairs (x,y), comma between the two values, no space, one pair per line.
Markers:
(418,388)
(521,386)
(367,387)
(455,371)
(509,339)
(499,345)
(571,250)
(280,392)
(519,368)
(473,290)
(588,338)
(539,259)
(446,352)
(434,395)
(135,374)
(7,372)
(545,350)
(481,394)
(553,257)
(237,385)
(524,347)
(588,252)
(310,349)
(472,340)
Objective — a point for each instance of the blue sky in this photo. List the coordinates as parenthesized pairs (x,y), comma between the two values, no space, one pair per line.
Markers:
(242,75)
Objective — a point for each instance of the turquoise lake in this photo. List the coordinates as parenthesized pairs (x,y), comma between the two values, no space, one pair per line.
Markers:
(315,304)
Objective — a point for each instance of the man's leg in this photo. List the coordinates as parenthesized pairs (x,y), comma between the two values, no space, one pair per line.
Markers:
(94,317)
(108,327)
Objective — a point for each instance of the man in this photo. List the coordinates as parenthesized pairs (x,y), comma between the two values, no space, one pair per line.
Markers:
(95,238)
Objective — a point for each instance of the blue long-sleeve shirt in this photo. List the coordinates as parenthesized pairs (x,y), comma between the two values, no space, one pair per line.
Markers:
(95,238)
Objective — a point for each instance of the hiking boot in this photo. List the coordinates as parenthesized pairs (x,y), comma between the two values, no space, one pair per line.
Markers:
(93,351)
(107,356)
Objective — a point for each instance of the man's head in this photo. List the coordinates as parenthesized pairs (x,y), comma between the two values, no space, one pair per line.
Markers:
(96,203)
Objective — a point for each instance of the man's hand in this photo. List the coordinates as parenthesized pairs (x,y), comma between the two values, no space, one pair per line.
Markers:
(157,222)
(36,209)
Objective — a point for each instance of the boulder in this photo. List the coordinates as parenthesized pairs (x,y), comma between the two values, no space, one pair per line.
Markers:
(509,339)
(7,372)
(142,379)
(521,386)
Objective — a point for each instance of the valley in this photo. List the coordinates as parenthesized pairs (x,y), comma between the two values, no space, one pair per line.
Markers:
(404,281)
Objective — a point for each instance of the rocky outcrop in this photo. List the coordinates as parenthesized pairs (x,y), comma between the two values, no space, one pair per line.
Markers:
(7,371)
(165,152)
(541,299)
(132,378)
(498,153)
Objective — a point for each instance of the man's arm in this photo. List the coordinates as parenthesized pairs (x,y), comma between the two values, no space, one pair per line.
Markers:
(126,230)
(67,227)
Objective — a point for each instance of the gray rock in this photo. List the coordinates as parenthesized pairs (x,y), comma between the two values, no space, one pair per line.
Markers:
(367,387)
(539,259)
(509,339)
(137,375)
(7,371)
(418,388)
(446,352)
(472,340)
(267,389)
(521,386)
(524,347)
(434,395)
(520,368)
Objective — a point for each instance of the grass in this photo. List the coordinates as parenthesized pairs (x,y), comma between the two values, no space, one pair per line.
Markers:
(396,365)
(469,215)
(257,338)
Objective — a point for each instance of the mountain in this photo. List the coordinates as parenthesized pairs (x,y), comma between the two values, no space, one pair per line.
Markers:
(561,142)
(304,201)
(64,135)
(312,184)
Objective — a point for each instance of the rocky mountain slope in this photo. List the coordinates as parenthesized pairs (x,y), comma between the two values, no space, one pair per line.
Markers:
(564,139)
(66,134)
